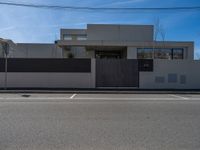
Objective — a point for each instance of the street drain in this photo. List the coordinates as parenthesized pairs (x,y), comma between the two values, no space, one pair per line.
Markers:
(26,95)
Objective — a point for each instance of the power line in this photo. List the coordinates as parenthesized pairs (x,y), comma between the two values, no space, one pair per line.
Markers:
(57,7)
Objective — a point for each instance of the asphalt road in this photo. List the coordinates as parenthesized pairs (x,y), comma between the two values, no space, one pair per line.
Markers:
(99,122)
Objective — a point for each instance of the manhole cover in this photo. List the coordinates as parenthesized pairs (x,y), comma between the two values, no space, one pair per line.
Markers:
(26,95)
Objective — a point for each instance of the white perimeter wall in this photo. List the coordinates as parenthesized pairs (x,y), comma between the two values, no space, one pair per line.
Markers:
(28,50)
(50,80)
(162,68)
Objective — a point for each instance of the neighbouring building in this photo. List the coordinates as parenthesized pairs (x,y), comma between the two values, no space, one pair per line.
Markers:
(103,56)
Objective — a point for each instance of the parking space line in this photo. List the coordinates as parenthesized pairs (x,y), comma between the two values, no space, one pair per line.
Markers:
(181,97)
(73,96)
(109,98)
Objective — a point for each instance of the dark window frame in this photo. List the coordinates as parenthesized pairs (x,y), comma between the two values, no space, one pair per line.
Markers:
(182,56)
(149,49)
(162,49)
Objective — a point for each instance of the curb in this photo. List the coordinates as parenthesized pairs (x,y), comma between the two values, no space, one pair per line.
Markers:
(101,91)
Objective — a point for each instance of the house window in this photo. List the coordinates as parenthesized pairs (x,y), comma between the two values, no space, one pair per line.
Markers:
(81,37)
(163,54)
(160,53)
(178,53)
(74,37)
(144,53)
(67,37)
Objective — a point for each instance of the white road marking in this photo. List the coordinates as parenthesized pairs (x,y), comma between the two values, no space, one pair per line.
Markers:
(144,99)
(73,96)
(181,97)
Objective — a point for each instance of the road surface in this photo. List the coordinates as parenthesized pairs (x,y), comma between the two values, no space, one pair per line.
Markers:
(99,122)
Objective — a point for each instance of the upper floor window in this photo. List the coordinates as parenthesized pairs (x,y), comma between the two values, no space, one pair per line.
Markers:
(67,37)
(160,53)
(145,53)
(82,37)
(177,53)
(74,37)
(163,53)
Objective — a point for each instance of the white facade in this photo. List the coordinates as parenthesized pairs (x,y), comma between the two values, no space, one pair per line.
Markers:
(132,37)
(170,70)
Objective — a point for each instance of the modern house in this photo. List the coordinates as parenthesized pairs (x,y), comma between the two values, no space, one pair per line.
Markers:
(103,56)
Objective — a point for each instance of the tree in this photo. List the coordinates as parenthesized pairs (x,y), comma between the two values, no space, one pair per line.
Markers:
(159,30)
(162,34)
(157,27)
(156,33)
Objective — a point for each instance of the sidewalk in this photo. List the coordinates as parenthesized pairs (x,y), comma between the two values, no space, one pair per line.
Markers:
(98,91)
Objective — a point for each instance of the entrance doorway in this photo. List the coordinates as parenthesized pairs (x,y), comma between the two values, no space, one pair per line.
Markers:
(109,54)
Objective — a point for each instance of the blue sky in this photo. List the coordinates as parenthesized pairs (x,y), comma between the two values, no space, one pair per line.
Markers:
(40,25)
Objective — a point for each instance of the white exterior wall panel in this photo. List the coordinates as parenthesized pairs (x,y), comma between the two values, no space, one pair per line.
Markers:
(136,33)
(48,80)
(26,50)
(163,68)
(103,32)
(131,53)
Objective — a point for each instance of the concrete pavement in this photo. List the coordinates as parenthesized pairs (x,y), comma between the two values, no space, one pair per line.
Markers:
(99,121)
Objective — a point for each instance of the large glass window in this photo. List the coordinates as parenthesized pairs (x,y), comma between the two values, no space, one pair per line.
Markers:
(163,53)
(145,53)
(160,53)
(178,53)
